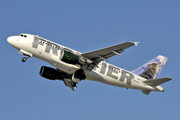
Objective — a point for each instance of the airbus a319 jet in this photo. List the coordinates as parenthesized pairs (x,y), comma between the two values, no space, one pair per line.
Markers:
(72,66)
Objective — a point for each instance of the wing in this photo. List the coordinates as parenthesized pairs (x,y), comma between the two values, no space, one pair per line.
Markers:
(105,53)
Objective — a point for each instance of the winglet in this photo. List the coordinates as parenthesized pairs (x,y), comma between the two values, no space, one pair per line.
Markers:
(136,43)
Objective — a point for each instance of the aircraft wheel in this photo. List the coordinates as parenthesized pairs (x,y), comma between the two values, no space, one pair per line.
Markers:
(24,59)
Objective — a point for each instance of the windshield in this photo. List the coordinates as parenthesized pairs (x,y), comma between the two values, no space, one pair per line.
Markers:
(22,35)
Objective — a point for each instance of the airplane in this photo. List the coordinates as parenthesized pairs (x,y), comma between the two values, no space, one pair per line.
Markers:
(72,66)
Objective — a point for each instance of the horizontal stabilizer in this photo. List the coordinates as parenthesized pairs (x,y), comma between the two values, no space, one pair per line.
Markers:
(159,81)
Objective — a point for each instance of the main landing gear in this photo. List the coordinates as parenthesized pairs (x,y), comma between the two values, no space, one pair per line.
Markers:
(25,58)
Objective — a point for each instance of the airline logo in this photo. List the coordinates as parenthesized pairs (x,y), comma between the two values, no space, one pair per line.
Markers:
(50,46)
(152,69)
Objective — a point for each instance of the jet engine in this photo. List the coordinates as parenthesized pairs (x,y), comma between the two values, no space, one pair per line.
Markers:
(53,74)
(78,76)
(49,73)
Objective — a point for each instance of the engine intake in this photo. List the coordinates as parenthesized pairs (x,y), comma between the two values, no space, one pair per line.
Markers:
(78,76)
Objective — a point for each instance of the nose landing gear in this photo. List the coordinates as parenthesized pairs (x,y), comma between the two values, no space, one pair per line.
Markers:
(25,58)
(27,54)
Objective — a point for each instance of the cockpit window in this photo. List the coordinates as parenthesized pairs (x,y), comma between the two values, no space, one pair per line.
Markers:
(23,35)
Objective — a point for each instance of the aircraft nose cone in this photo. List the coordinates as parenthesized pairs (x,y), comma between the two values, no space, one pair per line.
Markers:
(10,40)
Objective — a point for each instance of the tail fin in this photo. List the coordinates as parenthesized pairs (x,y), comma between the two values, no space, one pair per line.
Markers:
(151,69)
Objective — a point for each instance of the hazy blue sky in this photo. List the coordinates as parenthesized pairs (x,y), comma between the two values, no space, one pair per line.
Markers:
(86,25)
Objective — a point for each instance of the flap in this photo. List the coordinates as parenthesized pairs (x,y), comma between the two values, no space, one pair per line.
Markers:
(105,53)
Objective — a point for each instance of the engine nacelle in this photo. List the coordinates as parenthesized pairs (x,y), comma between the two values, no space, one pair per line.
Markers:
(78,76)
(53,74)
(48,73)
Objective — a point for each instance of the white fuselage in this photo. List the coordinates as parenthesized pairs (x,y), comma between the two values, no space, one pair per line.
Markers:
(51,52)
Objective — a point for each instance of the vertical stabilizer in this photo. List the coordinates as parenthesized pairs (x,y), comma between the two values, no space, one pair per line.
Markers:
(151,69)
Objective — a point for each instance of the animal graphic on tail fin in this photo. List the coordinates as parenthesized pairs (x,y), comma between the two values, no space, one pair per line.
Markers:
(151,69)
